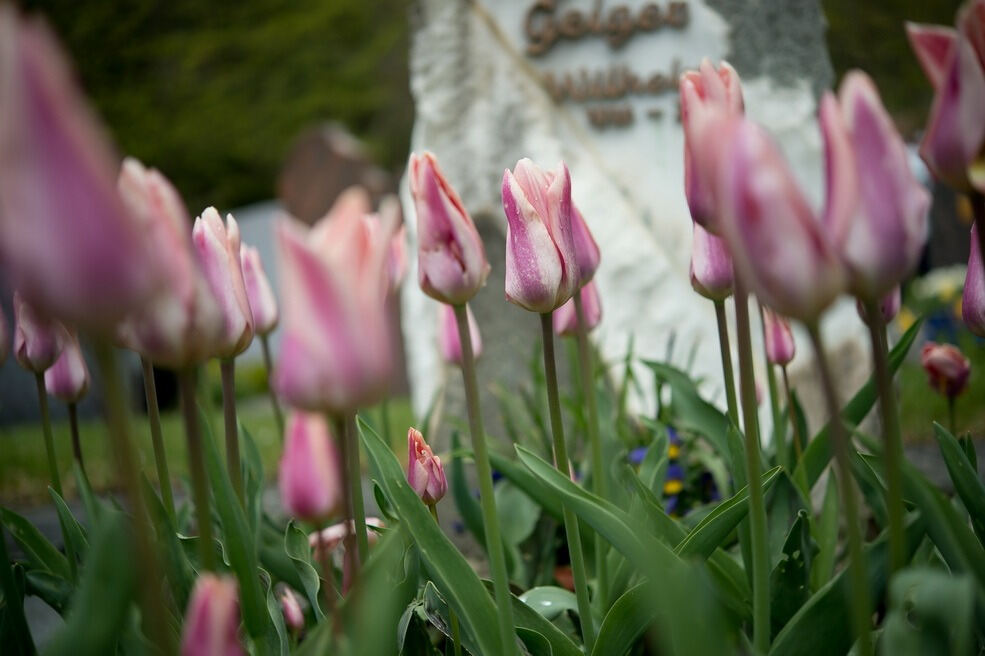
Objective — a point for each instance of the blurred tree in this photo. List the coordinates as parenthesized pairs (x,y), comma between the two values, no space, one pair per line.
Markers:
(213,93)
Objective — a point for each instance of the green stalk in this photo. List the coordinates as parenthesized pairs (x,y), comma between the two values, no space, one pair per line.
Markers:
(798,439)
(587,371)
(757,506)
(268,367)
(160,455)
(861,605)
(328,575)
(355,480)
(227,366)
(154,616)
(487,500)
(73,426)
(950,414)
(453,618)
(561,462)
(385,423)
(726,351)
(779,434)
(351,555)
(891,435)
(196,469)
(49,440)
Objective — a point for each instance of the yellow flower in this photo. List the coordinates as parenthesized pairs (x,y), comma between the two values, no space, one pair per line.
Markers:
(673,487)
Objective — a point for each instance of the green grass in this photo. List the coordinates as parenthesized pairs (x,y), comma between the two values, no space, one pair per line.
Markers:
(24,469)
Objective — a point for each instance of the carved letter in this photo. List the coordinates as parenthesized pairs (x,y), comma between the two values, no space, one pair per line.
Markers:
(541,37)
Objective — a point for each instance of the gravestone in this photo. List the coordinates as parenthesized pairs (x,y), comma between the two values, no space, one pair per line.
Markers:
(594,82)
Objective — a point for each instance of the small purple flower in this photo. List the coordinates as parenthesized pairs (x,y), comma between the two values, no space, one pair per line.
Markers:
(637,455)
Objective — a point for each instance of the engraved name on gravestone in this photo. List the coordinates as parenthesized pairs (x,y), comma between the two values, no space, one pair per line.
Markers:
(594,82)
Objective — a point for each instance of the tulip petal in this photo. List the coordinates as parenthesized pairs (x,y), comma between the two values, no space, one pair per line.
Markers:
(973,297)
(840,171)
(533,265)
(933,46)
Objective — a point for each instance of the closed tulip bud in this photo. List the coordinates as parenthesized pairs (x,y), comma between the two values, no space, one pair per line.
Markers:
(882,242)
(946,367)
(38,340)
(700,91)
(181,324)
(263,305)
(66,240)
(217,245)
(425,472)
(448,341)
(889,306)
(291,608)
(212,619)
(566,317)
(452,265)
(335,353)
(586,250)
(68,379)
(541,264)
(780,346)
(711,265)
(973,298)
(310,475)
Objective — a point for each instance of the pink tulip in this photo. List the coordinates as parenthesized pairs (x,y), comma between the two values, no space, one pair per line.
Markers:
(777,244)
(448,342)
(212,619)
(452,265)
(883,240)
(217,246)
(330,537)
(586,250)
(946,367)
(263,305)
(38,341)
(541,262)
(425,472)
(700,91)
(310,476)
(66,241)
(335,354)
(889,306)
(566,318)
(181,324)
(68,379)
(780,345)
(291,608)
(711,265)
(973,298)
(955,64)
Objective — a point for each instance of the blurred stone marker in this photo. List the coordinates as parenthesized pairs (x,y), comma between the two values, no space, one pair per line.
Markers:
(594,82)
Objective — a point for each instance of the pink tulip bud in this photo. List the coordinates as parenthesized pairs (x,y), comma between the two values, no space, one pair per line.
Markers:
(425,473)
(217,246)
(452,265)
(586,250)
(68,379)
(700,91)
(291,608)
(947,368)
(212,618)
(66,241)
(310,478)
(777,244)
(541,264)
(889,306)
(566,318)
(883,241)
(263,305)
(181,324)
(448,342)
(38,341)
(973,298)
(780,345)
(336,350)
(711,265)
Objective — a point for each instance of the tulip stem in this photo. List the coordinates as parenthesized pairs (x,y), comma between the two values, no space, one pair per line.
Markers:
(727,374)
(73,427)
(587,366)
(861,605)
(160,455)
(978,211)
(487,500)
(452,617)
(227,367)
(269,367)
(153,613)
(561,462)
(328,574)
(49,440)
(196,467)
(779,432)
(757,506)
(889,411)
(798,439)
(351,454)
(950,414)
